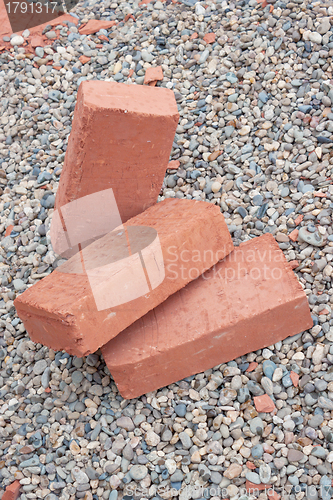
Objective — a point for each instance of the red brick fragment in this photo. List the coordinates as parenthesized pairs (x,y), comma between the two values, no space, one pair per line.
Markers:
(63,310)
(36,41)
(121,138)
(318,194)
(250,465)
(84,59)
(293,264)
(9,230)
(294,378)
(299,219)
(209,37)
(173,164)
(250,300)
(293,235)
(252,366)
(194,36)
(264,404)
(94,25)
(129,16)
(12,491)
(153,75)
(252,487)
(263,3)
(271,493)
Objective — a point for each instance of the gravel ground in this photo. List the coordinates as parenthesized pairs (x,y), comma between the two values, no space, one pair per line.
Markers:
(254,137)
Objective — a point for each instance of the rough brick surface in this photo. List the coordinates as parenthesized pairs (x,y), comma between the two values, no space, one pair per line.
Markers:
(12,491)
(121,139)
(60,311)
(5,27)
(249,301)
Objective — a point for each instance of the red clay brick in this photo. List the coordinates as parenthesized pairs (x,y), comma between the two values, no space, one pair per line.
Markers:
(250,300)
(121,139)
(5,27)
(12,491)
(60,311)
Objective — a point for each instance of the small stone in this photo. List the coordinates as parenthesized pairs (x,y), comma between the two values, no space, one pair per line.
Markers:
(234,470)
(245,130)
(265,473)
(151,438)
(79,476)
(180,410)
(215,187)
(253,477)
(125,423)
(138,472)
(39,367)
(294,455)
(17,40)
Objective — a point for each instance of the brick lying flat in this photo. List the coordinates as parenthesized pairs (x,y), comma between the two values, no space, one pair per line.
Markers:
(121,139)
(69,309)
(248,301)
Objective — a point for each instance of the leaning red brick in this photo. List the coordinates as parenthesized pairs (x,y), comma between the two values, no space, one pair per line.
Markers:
(249,301)
(119,278)
(12,491)
(121,139)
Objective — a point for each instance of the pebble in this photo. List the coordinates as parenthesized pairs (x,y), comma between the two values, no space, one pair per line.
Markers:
(17,40)
(138,472)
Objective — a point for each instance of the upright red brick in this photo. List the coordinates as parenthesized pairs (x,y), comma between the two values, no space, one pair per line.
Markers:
(250,300)
(121,139)
(120,277)
(12,491)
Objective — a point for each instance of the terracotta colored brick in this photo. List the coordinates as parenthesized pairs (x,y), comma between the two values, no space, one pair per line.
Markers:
(293,264)
(250,300)
(121,139)
(12,491)
(264,404)
(293,235)
(94,25)
(5,27)
(250,465)
(62,311)
(153,75)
